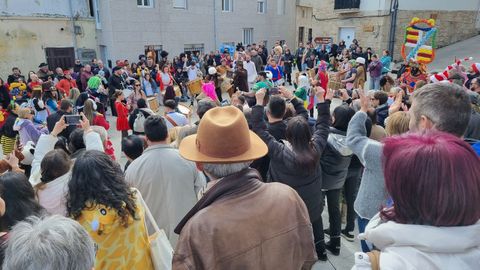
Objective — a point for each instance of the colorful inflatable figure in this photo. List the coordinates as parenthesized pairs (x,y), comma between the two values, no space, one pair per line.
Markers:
(420,41)
(414,72)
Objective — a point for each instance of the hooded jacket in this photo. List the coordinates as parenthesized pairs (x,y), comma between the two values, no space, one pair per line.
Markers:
(409,246)
(335,160)
(27,131)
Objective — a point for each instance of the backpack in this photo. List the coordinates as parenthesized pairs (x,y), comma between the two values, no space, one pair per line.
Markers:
(138,124)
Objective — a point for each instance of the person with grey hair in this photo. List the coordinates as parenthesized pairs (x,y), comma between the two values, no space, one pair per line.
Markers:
(49,243)
(440,106)
(244,223)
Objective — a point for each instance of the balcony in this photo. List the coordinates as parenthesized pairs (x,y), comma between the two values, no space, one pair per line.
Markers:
(346,6)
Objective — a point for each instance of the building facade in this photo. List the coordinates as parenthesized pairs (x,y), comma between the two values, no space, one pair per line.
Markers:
(371,22)
(129,27)
(51,31)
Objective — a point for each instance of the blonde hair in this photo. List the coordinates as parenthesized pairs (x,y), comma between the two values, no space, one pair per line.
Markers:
(24,113)
(88,110)
(397,123)
(74,94)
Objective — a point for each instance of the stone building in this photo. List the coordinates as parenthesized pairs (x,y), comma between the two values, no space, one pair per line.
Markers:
(304,21)
(51,31)
(370,22)
(129,27)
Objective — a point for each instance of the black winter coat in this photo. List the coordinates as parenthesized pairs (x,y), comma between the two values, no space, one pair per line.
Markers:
(7,128)
(283,165)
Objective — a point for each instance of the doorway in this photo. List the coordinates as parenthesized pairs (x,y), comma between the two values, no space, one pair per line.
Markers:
(347,34)
(60,57)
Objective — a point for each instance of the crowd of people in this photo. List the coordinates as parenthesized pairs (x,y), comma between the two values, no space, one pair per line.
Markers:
(244,185)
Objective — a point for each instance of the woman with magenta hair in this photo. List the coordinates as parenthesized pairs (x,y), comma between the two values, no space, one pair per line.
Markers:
(433,181)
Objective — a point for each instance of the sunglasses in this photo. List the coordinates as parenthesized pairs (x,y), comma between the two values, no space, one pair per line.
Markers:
(137,84)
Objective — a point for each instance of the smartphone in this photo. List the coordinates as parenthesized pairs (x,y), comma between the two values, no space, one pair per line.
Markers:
(72,120)
(273,91)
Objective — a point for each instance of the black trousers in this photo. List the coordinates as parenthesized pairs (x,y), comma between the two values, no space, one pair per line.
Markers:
(299,64)
(288,78)
(112,106)
(350,190)
(318,235)
(218,91)
(334,215)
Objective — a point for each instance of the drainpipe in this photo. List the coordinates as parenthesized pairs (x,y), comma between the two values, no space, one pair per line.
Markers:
(74,36)
(214,25)
(393,25)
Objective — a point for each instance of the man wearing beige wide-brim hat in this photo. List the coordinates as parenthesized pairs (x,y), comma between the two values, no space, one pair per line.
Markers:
(240,222)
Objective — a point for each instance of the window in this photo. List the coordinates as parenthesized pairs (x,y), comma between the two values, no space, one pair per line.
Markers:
(346,4)
(98,24)
(227,5)
(261,6)
(194,48)
(310,34)
(301,32)
(281,7)
(247,36)
(180,4)
(145,3)
(304,14)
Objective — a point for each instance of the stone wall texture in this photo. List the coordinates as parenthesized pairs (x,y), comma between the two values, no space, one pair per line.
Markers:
(372,28)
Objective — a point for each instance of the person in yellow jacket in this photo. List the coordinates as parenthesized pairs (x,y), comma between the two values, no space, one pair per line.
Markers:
(112,213)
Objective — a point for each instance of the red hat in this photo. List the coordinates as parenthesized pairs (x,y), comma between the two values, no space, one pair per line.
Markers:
(438,78)
(476,67)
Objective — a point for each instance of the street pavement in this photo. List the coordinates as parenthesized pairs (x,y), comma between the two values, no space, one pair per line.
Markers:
(446,56)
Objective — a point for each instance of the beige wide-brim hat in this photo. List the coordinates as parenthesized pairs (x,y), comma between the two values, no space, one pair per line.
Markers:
(223,137)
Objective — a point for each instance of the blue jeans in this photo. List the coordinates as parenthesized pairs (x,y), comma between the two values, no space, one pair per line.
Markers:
(375,83)
(362,224)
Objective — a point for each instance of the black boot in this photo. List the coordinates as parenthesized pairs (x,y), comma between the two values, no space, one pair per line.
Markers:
(334,245)
(321,252)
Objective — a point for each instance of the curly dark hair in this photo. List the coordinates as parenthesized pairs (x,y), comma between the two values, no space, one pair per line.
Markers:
(19,198)
(97,178)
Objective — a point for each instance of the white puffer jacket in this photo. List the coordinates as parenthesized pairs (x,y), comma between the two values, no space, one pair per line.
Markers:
(409,247)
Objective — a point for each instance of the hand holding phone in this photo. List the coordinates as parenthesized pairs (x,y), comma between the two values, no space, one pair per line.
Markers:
(72,120)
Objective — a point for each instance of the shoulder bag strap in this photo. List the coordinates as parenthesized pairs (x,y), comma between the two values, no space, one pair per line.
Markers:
(148,214)
(171,120)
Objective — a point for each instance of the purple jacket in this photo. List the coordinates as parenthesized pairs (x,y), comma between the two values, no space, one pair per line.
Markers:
(28,131)
(375,69)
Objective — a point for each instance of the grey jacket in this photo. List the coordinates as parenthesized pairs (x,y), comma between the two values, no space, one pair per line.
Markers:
(335,160)
(371,194)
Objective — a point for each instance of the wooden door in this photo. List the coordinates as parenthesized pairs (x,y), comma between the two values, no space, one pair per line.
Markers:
(60,57)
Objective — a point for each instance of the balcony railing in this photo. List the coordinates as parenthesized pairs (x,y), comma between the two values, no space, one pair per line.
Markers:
(347,4)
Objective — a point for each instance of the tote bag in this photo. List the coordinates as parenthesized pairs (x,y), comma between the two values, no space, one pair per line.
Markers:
(160,248)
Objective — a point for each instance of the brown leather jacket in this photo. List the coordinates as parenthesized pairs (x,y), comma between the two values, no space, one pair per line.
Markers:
(249,225)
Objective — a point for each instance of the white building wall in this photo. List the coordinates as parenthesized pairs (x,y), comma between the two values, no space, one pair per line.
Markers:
(126,28)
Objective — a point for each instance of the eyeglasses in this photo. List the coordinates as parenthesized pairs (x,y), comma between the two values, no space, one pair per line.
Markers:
(137,84)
